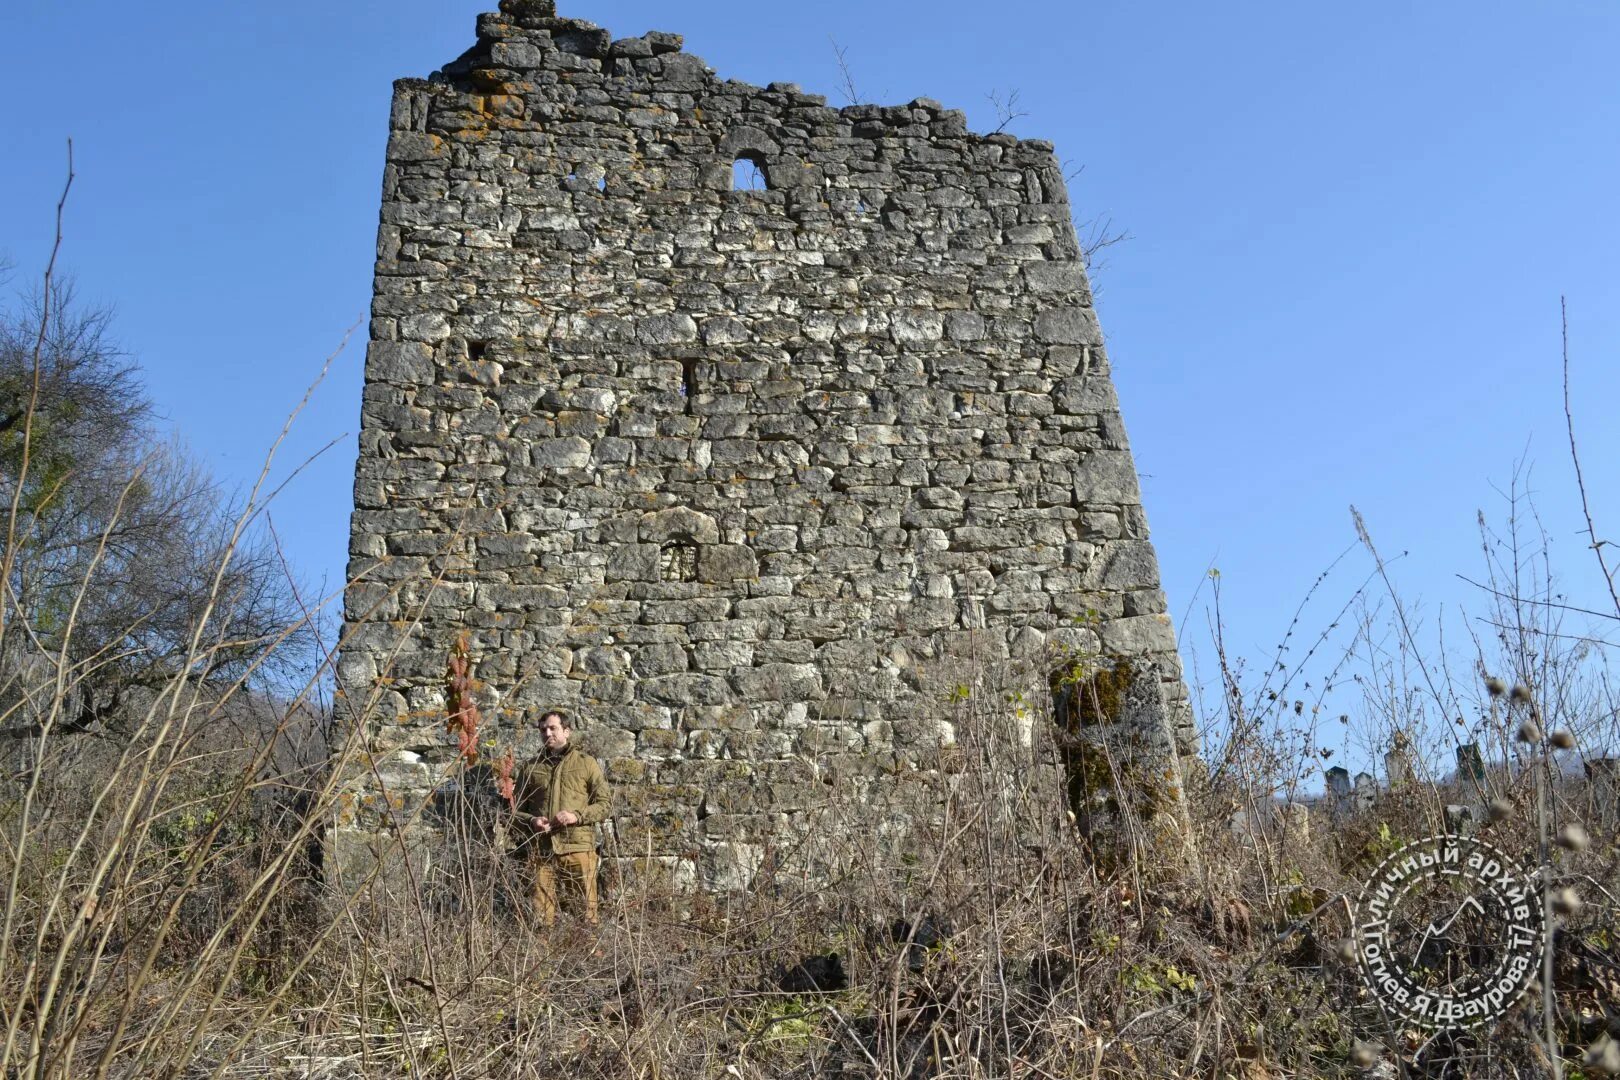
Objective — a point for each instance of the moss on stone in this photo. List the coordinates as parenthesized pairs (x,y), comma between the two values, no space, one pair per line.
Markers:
(1107,764)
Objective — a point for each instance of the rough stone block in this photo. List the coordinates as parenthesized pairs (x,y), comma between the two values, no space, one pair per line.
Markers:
(660,660)
(965,326)
(407,147)
(664,42)
(683,71)
(631,48)
(406,362)
(565,453)
(780,682)
(530,12)
(1106,477)
(1056,277)
(724,331)
(917,327)
(726,562)
(516,54)
(633,562)
(1128,565)
(583,39)
(428,327)
(666,329)
(1068,326)
(685,689)
(1138,636)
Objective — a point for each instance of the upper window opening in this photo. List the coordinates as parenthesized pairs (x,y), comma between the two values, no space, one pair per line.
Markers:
(748,173)
(476,350)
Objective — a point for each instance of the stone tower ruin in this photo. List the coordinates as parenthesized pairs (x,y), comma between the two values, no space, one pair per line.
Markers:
(717,464)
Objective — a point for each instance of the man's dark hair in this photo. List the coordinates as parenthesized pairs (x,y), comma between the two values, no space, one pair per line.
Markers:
(559,714)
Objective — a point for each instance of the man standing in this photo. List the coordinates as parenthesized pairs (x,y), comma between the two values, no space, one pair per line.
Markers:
(560,798)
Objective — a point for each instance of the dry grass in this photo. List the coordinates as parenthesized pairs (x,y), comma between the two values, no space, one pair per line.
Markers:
(163,914)
(163,919)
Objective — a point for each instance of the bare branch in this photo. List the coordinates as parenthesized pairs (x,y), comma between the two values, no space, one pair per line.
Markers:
(1575,459)
(1007,110)
(846,78)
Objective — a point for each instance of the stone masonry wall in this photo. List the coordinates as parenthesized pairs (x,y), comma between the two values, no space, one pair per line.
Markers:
(720,471)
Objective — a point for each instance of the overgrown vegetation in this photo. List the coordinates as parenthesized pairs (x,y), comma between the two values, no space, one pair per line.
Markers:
(164,914)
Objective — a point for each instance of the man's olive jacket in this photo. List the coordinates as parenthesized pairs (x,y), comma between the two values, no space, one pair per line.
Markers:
(572,781)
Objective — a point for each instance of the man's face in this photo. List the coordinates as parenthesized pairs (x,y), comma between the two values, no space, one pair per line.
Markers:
(554,732)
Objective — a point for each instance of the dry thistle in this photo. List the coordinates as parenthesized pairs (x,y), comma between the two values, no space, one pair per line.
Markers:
(1566,901)
(1529,731)
(1573,837)
(1494,686)
(504,781)
(1520,694)
(1602,1057)
(1563,739)
(464,716)
(1499,809)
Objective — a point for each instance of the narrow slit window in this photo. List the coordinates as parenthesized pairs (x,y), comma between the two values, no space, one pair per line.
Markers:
(688,381)
(476,350)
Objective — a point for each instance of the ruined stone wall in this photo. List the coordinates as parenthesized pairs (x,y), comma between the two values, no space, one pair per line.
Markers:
(723,472)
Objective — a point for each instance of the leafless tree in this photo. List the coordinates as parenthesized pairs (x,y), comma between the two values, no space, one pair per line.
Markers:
(116,534)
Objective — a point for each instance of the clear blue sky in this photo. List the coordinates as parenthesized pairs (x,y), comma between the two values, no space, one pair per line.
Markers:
(1350,227)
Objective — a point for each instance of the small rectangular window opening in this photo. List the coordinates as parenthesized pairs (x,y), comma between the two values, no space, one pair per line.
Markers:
(677,561)
(688,381)
(476,350)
